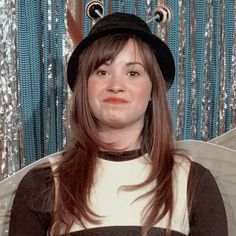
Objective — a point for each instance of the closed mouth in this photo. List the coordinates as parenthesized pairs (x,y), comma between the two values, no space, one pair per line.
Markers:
(114,100)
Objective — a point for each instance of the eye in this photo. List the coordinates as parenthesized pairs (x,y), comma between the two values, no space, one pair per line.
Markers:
(133,74)
(102,73)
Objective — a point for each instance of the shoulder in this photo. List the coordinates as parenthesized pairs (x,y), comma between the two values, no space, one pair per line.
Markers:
(203,190)
(198,169)
(193,170)
(196,175)
(36,177)
(200,175)
(206,207)
(197,179)
(41,174)
(37,185)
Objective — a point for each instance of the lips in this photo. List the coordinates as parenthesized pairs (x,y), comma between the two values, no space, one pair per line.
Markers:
(115,100)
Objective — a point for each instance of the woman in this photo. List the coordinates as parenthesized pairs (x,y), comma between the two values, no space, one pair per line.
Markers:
(121,174)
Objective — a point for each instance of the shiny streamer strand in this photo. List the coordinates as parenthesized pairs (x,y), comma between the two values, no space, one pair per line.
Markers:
(67,91)
(180,90)
(135,7)
(233,77)
(193,67)
(148,10)
(200,13)
(206,100)
(149,14)
(173,42)
(222,95)
(150,6)
(52,76)
(10,119)
(187,73)
(122,5)
(215,71)
(60,85)
(162,29)
(61,91)
(47,70)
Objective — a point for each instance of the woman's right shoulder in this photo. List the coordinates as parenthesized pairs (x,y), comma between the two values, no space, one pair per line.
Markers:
(37,174)
(41,175)
(36,188)
(36,185)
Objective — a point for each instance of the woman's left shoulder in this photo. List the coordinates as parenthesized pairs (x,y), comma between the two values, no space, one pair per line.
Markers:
(192,173)
(190,167)
(198,172)
(206,207)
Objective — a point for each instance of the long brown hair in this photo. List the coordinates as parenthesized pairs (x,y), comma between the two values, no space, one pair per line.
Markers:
(75,171)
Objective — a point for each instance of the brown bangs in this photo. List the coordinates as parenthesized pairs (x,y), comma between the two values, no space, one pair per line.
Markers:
(102,50)
(108,47)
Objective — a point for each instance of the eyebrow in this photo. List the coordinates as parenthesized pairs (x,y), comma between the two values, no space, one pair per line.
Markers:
(108,62)
(128,63)
(134,63)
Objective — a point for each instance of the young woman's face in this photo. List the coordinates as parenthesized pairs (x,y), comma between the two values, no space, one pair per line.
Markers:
(120,90)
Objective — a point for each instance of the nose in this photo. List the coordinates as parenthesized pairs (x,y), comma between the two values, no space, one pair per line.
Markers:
(116,85)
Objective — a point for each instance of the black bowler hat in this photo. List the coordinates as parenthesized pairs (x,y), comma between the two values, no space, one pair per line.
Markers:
(124,23)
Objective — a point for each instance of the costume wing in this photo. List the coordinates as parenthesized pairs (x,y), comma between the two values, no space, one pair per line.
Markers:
(8,189)
(219,156)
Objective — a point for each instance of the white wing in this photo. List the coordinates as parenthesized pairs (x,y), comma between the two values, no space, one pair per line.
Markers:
(8,189)
(221,161)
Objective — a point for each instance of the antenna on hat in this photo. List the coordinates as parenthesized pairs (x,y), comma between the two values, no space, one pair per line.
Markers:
(162,14)
(95,9)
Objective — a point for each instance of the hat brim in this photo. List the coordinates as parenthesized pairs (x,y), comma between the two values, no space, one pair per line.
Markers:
(162,52)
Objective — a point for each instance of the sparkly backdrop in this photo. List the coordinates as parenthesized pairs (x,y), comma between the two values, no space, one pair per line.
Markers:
(11,143)
(35,45)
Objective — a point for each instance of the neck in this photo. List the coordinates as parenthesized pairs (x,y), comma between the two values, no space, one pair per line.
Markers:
(125,138)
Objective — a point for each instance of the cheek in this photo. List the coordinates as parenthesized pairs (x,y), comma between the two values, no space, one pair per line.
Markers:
(95,91)
(144,93)
(95,86)
(92,91)
(91,87)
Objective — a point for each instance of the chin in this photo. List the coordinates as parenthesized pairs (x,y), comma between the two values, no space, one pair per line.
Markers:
(116,125)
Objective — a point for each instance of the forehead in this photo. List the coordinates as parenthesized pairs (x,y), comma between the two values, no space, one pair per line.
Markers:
(129,53)
(107,49)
